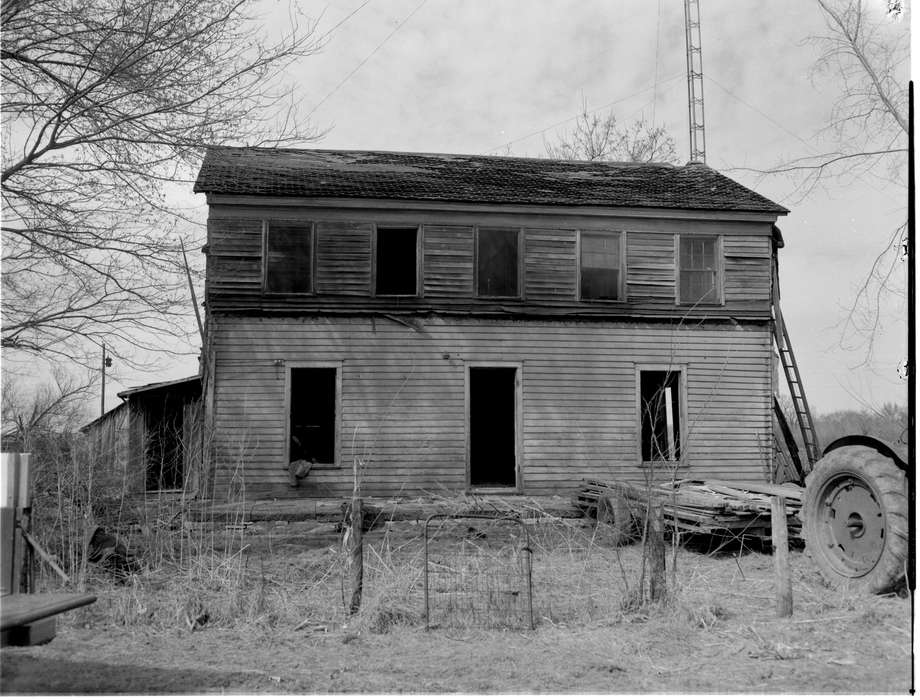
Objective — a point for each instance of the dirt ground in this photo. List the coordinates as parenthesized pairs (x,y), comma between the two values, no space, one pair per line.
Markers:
(717,634)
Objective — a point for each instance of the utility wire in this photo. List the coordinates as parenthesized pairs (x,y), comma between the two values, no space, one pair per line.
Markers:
(657,53)
(566,121)
(366,58)
(761,113)
(343,21)
(810,147)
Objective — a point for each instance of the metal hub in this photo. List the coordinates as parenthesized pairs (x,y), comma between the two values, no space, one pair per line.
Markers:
(852,526)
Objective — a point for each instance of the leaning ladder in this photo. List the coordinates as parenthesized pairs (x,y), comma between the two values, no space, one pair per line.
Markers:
(794,379)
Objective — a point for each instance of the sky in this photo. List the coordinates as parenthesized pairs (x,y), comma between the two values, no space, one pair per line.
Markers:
(505,77)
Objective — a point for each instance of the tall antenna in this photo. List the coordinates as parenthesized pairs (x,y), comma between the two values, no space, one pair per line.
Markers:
(695,81)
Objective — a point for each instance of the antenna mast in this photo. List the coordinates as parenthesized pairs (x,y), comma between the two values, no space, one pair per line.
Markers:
(695,81)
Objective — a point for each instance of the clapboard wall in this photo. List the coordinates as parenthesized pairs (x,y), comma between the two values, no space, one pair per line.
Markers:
(343,263)
(403,397)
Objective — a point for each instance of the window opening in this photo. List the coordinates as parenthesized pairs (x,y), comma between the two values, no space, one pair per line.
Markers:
(661,420)
(699,273)
(289,258)
(600,266)
(498,262)
(397,266)
(312,416)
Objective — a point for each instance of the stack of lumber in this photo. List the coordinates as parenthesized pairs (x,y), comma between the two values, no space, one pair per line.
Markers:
(705,507)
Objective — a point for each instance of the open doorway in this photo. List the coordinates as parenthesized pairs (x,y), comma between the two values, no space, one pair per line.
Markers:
(493,427)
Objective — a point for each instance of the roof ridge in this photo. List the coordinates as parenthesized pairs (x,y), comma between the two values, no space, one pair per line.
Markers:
(427,154)
(484,179)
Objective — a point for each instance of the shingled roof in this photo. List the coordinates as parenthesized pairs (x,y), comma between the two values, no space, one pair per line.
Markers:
(478,179)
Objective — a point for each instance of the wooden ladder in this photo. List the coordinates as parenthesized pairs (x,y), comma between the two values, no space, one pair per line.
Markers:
(794,380)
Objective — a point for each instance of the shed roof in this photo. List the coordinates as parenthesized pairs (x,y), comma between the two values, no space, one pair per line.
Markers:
(194,382)
(471,179)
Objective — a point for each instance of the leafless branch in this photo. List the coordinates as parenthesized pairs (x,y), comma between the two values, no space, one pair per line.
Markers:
(107,106)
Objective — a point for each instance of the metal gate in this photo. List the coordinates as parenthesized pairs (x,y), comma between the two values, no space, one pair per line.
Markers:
(477,572)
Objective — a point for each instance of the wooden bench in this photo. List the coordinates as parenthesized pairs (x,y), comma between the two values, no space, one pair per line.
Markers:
(30,618)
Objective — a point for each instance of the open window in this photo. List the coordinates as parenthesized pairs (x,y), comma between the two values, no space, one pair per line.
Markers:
(498,262)
(600,266)
(700,281)
(660,415)
(288,258)
(313,415)
(397,261)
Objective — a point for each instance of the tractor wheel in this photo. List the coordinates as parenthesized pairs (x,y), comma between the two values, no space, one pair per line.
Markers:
(613,509)
(854,516)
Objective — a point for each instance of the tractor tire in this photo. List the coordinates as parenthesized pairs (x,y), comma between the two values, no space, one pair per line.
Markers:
(613,509)
(854,519)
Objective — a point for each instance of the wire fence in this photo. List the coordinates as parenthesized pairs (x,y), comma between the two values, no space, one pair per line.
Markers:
(477,572)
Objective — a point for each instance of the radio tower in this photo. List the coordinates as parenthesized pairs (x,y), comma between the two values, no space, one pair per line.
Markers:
(695,81)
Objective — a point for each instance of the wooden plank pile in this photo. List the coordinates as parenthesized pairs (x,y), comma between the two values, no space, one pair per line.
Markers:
(703,507)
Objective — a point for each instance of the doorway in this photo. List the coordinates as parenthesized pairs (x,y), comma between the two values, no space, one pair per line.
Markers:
(493,427)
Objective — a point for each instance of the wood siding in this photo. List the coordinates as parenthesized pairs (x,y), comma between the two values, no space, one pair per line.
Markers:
(343,264)
(402,400)
(550,267)
(650,271)
(343,258)
(448,268)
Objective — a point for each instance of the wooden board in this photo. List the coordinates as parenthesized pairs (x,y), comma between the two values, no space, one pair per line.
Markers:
(22,609)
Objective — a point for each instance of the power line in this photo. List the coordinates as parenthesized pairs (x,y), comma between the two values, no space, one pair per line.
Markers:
(368,57)
(566,121)
(343,21)
(761,113)
(657,52)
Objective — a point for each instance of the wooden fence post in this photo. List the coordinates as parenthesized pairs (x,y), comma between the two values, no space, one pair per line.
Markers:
(781,556)
(657,583)
(354,550)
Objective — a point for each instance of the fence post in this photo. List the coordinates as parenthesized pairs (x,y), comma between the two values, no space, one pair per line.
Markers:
(781,556)
(657,583)
(354,550)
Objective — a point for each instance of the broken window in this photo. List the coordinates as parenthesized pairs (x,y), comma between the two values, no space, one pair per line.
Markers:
(600,266)
(497,262)
(397,262)
(699,270)
(313,408)
(289,258)
(659,404)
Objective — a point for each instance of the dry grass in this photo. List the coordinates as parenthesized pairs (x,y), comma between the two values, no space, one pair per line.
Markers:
(279,586)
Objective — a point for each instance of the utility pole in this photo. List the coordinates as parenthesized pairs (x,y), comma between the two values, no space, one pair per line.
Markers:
(695,81)
(106,362)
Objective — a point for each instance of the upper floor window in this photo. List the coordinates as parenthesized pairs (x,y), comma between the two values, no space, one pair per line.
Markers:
(397,261)
(699,270)
(600,266)
(288,258)
(498,262)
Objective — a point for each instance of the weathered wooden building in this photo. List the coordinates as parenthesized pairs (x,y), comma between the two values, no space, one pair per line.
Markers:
(448,322)
(152,441)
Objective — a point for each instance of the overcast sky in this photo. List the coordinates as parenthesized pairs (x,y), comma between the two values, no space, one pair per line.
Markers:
(470,76)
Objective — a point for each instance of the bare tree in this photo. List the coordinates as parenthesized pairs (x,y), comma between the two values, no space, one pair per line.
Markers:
(106,107)
(31,415)
(865,48)
(868,54)
(596,137)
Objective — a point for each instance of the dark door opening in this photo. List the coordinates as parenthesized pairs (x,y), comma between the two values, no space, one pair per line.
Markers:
(493,457)
(164,444)
(313,414)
